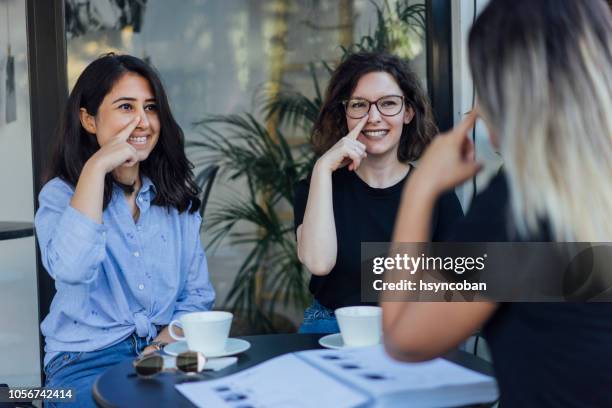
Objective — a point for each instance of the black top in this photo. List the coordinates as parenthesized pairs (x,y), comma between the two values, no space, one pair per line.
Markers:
(362,214)
(544,354)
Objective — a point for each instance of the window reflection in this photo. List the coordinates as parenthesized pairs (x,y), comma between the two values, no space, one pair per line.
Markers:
(213,55)
(218,57)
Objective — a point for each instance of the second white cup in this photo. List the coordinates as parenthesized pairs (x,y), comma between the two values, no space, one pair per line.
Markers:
(206,332)
(360,326)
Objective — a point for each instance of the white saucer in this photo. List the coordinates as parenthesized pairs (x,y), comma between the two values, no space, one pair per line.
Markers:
(335,342)
(332,341)
(233,346)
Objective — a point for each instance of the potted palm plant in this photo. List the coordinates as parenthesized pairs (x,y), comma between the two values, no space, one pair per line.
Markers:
(244,150)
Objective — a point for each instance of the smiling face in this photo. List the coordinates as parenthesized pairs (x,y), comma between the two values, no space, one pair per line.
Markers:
(130,97)
(381,134)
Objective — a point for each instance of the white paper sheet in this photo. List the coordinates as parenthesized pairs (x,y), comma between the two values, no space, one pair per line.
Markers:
(435,383)
(285,381)
(372,370)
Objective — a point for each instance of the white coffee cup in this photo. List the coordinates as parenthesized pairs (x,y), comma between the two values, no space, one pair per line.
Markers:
(206,332)
(360,326)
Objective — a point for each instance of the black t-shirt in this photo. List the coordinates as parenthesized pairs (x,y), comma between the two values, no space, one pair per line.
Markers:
(544,354)
(362,214)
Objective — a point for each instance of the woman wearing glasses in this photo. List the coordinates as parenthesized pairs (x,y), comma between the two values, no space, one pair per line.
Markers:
(374,122)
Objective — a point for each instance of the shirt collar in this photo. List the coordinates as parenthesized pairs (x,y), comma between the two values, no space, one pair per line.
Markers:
(147,188)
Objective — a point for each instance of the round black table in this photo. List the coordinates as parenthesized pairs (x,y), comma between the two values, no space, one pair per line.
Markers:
(118,387)
(14,230)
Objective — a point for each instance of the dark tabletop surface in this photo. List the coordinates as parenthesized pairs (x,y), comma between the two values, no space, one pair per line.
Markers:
(118,387)
(12,230)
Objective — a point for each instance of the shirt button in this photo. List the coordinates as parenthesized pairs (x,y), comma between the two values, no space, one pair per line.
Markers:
(136,254)
(141,286)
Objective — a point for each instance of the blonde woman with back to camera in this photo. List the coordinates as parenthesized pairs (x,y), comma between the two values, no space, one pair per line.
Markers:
(543,76)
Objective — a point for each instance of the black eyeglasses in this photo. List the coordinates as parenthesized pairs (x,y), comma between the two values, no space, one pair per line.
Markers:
(390,105)
(152,364)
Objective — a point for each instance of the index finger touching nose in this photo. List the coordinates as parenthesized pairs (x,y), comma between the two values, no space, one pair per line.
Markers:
(354,133)
(125,133)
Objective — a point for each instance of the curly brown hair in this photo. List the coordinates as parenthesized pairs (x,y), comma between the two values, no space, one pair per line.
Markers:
(331,125)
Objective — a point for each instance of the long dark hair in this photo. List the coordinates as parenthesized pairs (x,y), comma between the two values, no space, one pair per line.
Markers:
(331,123)
(167,166)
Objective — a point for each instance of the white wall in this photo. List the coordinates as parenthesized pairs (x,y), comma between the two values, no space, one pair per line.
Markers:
(19,345)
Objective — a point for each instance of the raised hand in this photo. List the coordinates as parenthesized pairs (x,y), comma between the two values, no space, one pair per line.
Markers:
(346,151)
(118,152)
(449,159)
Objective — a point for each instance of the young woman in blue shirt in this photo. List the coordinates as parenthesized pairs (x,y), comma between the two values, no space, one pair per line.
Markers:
(118,226)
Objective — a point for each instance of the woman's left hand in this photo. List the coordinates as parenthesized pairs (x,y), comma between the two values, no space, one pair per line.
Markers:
(449,159)
(164,337)
(149,350)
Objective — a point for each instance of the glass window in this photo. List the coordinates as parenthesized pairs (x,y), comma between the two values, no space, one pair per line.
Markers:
(217,57)
(214,56)
(19,345)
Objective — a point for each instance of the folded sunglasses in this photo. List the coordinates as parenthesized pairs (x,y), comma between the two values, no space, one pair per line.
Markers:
(152,364)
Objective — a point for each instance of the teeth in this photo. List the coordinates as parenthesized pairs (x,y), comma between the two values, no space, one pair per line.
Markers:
(138,140)
(375,133)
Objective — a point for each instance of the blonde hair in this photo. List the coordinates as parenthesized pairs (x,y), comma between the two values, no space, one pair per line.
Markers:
(543,76)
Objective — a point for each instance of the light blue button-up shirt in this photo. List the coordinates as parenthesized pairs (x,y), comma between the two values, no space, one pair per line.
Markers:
(120,276)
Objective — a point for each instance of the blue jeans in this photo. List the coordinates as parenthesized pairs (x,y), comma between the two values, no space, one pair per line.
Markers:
(79,370)
(319,319)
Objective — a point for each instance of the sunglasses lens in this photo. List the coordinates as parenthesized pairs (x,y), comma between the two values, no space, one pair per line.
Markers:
(190,362)
(149,365)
